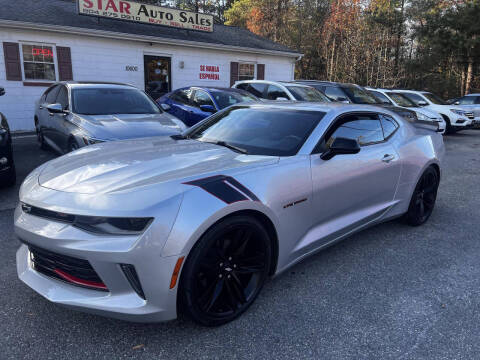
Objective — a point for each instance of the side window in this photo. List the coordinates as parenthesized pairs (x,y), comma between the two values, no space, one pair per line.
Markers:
(366,130)
(335,93)
(468,100)
(389,125)
(52,95)
(381,97)
(182,96)
(256,89)
(274,92)
(62,98)
(202,98)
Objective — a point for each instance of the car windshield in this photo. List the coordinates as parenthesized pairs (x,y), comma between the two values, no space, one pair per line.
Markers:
(259,130)
(359,96)
(108,101)
(304,93)
(228,98)
(434,99)
(402,100)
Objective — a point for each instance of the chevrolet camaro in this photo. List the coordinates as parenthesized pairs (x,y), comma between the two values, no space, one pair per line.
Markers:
(196,223)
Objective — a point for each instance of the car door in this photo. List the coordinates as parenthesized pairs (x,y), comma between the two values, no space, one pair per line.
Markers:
(46,117)
(200,97)
(352,190)
(336,94)
(257,89)
(61,127)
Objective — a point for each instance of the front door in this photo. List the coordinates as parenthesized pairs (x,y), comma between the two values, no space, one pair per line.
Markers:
(158,75)
(352,190)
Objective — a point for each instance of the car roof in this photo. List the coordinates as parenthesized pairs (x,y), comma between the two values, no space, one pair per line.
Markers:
(324,82)
(314,106)
(284,83)
(90,84)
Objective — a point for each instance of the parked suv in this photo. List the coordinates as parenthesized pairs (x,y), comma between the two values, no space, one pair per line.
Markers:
(7,166)
(470,102)
(70,115)
(390,97)
(278,90)
(355,94)
(455,117)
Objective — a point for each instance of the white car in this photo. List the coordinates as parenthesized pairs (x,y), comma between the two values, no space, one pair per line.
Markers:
(278,90)
(392,97)
(470,102)
(456,117)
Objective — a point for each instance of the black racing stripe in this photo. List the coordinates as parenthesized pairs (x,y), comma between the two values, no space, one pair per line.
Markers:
(219,186)
(242,188)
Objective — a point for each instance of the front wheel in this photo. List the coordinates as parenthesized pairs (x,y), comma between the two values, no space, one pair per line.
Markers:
(225,271)
(423,198)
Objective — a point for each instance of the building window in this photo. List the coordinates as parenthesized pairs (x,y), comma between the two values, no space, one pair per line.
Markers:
(246,71)
(38,62)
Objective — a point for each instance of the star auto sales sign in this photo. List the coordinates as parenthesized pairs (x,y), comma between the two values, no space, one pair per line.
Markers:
(150,14)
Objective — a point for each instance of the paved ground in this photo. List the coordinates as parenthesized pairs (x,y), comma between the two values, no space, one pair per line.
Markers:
(390,292)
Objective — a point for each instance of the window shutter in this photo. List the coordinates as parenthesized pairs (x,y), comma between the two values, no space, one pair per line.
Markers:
(13,69)
(233,72)
(260,71)
(64,59)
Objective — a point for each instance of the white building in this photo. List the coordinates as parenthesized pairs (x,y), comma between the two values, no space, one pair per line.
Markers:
(48,40)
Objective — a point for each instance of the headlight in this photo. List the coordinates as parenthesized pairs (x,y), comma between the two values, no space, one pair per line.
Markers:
(95,224)
(91,141)
(458,112)
(423,117)
(112,226)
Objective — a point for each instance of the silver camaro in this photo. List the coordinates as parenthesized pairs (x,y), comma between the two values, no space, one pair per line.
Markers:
(195,223)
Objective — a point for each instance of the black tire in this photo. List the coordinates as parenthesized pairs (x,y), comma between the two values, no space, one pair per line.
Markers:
(8,178)
(423,198)
(450,129)
(72,145)
(225,271)
(40,138)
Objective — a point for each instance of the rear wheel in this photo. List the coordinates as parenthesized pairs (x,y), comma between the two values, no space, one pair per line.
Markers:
(225,271)
(423,198)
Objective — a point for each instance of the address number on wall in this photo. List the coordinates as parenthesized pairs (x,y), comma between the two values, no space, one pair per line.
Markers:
(131,68)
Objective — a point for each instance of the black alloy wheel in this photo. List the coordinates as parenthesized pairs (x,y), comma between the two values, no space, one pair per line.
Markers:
(423,198)
(225,271)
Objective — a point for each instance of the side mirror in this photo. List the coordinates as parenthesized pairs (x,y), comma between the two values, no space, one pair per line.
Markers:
(55,109)
(422,103)
(341,146)
(2,91)
(456,103)
(165,107)
(208,108)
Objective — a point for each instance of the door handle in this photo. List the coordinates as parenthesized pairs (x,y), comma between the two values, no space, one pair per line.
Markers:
(388,157)
(40,107)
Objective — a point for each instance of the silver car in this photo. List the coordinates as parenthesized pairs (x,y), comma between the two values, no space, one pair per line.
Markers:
(142,229)
(70,115)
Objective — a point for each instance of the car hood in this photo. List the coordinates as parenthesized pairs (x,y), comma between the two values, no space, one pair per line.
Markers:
(129,126)
(130,164)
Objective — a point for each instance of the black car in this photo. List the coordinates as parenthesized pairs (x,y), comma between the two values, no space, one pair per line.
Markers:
(7,167)
(352,93)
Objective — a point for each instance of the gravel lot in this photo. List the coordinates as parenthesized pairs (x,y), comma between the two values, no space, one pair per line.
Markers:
(390,292)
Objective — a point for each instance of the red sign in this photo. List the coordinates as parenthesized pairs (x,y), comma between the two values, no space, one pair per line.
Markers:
(44,52)
(209,72)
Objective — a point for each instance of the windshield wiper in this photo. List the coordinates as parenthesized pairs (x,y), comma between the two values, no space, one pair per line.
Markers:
(229,146)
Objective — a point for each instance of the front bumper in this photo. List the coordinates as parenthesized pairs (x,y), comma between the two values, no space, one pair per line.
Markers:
(105,254)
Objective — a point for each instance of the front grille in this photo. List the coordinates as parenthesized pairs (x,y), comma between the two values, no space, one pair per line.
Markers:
(469,115)
(75,271)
